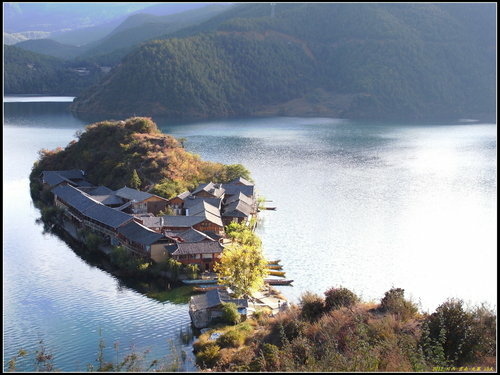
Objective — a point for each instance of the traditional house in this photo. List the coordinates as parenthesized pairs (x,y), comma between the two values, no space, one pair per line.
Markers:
(143,241)
(239,197)
(205,254)
(141,201)
(207,307)
(235,189)
(238,211)
(89,212)
(209,190)
(177,203)
(193,201)
(192,235)
(73,177)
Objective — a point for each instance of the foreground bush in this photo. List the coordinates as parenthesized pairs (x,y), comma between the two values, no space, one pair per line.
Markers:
(395,303)
(335,298)
(312,306)
(453,335)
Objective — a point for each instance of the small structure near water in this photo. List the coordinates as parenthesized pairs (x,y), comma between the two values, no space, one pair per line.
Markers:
(205,308)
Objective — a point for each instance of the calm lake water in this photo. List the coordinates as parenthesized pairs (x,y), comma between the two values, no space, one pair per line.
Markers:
(363,205)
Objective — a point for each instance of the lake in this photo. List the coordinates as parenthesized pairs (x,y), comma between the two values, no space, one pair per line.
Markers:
(364,205)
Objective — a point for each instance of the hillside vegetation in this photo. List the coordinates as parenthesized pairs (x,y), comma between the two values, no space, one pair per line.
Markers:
(409,61)
(113,152)
(338,333)
(27,72)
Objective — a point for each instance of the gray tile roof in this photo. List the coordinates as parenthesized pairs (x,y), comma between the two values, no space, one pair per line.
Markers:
(108,199)
(214,189)
(206,247)
(239,197)
(241,180)
(151,221)
(193,201)
(99,190)
(181,221)
(184,195)
(203,207)
(193,235)
(107,215)
(140,234)
(133,194)
(90,208)
(237,209)
(73,176)
(235,189)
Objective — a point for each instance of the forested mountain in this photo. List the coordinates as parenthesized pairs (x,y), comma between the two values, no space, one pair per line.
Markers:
(50,47)
(349,60)
(28,72)
(142,27)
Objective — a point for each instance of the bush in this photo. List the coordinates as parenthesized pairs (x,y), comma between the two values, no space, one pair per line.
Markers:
(231,339)
(312,306)
(230,313)
(339,297)
(394,302)
(464,336)
(271,355)
(208,356)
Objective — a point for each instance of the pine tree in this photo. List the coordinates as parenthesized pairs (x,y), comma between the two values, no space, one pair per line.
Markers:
(135,181)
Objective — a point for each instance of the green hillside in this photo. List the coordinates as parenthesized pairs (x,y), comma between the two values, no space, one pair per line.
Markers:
(50,47)
(349,60)
(142,27)
(110,152)
(27,72)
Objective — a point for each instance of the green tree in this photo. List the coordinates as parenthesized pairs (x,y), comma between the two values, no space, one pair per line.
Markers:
(242,267)
(135,181)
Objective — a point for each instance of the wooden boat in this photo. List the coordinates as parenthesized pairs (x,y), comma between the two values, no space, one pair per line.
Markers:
(200,281)
(278,282)
(274,261)
(277,273)
(274,266)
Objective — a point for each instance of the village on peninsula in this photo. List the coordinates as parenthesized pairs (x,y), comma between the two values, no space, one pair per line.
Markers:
(192,233)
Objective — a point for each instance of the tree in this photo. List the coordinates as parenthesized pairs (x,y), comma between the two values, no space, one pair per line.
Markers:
(242,267)
(135,181)
(234,171)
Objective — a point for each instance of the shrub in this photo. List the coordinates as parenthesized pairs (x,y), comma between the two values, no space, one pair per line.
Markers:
(231,339)
(394,302)
(230,313)
(312,306)
(208,356)
(464,336)
(335,298)
(271,354)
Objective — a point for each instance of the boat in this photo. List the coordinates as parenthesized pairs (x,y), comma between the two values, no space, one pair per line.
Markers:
(200,281)
(277,273)
(278,282)
(269,208)
(274,261)
(274,266)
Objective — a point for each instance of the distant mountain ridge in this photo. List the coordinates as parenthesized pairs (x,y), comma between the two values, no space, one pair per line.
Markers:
(348,60)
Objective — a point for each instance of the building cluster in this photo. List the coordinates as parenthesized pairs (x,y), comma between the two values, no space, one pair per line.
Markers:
(193,234)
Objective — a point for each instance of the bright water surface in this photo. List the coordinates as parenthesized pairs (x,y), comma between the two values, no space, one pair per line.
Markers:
(364,205)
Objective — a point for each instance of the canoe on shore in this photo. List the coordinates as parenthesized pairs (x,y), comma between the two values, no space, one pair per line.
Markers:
(277,273)
(278,282)
(273,261)
(274,266)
